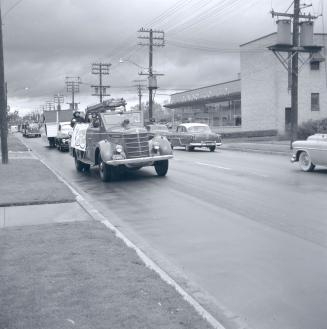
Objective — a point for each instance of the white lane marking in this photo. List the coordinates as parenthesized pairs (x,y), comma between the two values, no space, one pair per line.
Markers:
(212,165)
(97,216)
(226,168)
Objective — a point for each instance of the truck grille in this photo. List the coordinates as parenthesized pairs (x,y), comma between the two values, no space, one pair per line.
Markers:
(136,145)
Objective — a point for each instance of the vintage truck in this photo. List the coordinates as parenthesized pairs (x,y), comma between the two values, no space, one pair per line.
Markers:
(57,129)
(115,140)
(31,129)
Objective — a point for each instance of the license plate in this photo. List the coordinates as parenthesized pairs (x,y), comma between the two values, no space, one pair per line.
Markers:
(117,157)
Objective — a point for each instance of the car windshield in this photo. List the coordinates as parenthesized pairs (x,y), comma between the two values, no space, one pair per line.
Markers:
(111,120)
(199,129)
(158,128)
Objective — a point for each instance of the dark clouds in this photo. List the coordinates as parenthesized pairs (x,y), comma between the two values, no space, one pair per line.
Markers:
(46,40)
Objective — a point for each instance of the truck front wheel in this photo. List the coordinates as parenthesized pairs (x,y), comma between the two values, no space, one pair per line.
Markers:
(161,167)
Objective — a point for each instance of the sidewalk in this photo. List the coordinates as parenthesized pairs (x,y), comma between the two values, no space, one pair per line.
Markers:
(61,269)
(257,146)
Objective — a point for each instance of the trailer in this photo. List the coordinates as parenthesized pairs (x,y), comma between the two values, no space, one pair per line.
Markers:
(53,123)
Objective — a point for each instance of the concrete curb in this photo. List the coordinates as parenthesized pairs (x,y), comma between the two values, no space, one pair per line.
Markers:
(36,203)
(97,216)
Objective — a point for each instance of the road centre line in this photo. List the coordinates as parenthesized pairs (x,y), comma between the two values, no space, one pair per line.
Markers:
(212,165)
(230,169)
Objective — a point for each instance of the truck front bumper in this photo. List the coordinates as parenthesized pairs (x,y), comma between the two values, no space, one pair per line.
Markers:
(141,161)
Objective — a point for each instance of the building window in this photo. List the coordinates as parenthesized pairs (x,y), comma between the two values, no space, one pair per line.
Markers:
(315,102)
(314,65)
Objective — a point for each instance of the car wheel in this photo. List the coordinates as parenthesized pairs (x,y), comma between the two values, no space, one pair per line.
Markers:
(79,165)
(305,162)
(161,167)
(212,148)
(189,148)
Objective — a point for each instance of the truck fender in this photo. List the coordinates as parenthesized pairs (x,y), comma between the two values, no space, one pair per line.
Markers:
(165,147)
(105,149)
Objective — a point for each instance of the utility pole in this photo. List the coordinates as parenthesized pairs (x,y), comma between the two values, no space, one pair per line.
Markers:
(100,69)
(292,57)
(72,84)
(155,38)
(139,87)
(295,72)
(58,99)
(3,104)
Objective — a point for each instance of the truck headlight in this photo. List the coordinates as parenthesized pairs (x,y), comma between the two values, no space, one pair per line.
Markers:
(119,148)
(156,146)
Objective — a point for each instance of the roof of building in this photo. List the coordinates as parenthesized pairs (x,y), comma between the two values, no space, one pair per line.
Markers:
(269,35)
(217,84)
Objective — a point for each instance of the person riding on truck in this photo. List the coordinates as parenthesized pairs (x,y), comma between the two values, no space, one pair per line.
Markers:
(77,118)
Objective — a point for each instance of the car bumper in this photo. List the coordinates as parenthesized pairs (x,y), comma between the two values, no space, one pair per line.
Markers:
(141,161)
(205,144)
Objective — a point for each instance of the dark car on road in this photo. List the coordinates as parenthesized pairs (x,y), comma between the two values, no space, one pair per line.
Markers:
(191,135)
(157,129)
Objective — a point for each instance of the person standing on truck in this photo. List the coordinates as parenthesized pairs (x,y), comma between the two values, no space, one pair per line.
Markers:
(77,118)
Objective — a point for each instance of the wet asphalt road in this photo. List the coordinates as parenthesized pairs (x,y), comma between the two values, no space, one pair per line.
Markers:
(249,229)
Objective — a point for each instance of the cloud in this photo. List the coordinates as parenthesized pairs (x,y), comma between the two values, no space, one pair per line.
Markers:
(46,40)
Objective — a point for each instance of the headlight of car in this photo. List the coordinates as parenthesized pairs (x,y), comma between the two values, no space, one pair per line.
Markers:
(119,148)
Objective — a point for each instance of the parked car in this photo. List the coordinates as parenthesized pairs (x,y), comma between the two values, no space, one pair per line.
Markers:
(116,141)
(310,152)
(31,130)
(157,129)
(191,135)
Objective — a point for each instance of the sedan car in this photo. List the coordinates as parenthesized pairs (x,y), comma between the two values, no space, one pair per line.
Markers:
(191,135)
(157,129)
(311,152)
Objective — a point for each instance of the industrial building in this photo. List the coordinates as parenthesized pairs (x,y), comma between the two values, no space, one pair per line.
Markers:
(260,100)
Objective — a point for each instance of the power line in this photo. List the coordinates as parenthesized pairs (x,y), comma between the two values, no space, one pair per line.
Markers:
(11,8)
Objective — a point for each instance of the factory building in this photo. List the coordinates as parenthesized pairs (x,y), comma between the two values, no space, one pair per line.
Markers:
(260,100)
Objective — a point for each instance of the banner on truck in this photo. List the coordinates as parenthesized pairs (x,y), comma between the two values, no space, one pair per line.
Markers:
(78,140)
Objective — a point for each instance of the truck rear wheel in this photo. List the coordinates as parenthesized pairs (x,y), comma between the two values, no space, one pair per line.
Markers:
(79,165)
(161,167)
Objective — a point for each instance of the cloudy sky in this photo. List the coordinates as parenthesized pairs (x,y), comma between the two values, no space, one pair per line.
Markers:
(47,40)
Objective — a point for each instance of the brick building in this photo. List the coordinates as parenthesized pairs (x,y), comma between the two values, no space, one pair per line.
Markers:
(260,100)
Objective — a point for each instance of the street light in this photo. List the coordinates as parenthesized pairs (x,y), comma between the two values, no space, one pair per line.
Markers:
(122,60)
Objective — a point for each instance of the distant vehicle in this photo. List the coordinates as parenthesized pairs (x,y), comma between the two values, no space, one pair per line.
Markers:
(13,129)
(64,133)
(310,152)
(116,140)
(157,129)
(31,130)
(52,121)
(191,135)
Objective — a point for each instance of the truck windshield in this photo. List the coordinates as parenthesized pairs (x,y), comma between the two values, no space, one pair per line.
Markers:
(116,119)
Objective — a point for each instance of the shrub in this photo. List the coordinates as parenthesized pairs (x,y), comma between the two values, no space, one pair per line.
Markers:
(311,127)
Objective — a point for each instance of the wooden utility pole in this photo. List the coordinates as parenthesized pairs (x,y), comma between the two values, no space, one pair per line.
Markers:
(292,52)
(100,69)
(72,84)
(3,103)
(155,39)
(295,72)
